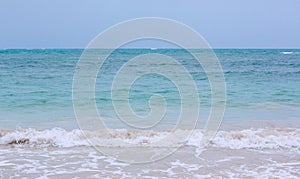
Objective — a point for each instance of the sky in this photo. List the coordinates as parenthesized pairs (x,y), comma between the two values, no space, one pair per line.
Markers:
(223,23)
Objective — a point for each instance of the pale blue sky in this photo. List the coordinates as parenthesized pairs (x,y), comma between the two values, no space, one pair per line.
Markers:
(223,23)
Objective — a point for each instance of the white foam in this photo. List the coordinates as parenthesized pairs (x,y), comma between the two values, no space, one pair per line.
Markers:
(263,138)
(55,137)
(286,53)
(259,139)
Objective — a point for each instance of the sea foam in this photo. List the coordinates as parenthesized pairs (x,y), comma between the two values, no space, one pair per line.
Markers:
(262,138)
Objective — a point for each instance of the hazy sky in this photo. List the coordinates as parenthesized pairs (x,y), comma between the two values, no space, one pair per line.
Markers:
(223,23)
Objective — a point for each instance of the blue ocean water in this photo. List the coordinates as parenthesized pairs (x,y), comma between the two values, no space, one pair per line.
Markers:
(36,85)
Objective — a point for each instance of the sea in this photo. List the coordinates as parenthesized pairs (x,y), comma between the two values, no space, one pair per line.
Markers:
(42,137)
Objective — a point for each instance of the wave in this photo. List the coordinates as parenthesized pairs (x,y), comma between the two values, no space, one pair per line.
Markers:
(289,53)
(286,53)
(52,137)
(262,138)
(265,138)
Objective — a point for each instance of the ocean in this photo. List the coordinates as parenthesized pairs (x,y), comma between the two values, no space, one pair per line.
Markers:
(259,135)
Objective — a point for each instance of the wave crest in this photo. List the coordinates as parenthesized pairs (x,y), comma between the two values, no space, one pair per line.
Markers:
(263,138)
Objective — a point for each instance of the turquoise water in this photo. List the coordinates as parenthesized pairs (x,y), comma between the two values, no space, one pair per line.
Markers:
(36,85)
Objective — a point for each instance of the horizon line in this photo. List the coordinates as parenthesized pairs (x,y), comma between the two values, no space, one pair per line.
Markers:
(149,48)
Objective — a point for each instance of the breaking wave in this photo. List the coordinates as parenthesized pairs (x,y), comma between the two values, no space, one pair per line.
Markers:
(286,53)
(262,138)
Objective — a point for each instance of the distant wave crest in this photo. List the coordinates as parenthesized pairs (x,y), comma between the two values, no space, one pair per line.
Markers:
(286,53)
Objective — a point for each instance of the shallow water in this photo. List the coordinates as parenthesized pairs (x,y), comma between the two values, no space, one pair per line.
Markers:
(36,85)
